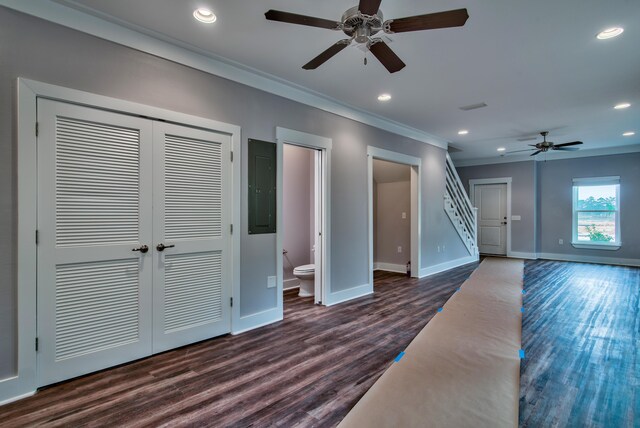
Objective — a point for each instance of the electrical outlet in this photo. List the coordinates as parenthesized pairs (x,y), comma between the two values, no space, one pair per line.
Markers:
(399,249)
(438,248)
(404,215)
(271,282)
(561,241)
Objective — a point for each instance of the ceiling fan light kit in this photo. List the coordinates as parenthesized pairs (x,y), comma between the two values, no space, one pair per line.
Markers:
(361,23)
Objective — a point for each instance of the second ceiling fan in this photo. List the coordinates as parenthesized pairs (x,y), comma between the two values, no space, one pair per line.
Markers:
(545,146)
(361,23)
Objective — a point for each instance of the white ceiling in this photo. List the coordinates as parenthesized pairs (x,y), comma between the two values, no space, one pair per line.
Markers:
(536,64)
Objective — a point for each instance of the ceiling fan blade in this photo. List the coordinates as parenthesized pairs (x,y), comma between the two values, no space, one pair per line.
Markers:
(573,143)
(294,18)
(430,21)
(517,151)
(387,57)
(326,55)
(535,153)
(369,7)
(568,149)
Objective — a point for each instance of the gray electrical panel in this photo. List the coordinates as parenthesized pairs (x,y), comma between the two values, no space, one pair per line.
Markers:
(262,187)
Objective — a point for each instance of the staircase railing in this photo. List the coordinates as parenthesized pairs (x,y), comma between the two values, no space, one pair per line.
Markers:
(457,205)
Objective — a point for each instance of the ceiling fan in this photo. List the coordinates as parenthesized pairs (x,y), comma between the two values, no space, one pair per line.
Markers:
(545,146)
(361,23)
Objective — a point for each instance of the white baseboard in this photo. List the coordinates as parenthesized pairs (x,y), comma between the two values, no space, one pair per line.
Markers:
(441,267)
(260,319)
(520,255)
(348,294)
(390,267)
(12,389)
(289,284)
(590,259)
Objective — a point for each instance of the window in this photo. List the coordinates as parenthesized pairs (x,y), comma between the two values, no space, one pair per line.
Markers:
(596,213)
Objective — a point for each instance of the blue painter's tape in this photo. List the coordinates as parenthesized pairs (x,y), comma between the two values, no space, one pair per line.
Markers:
(522,309)
(522,353)
(524,291)
(399,357)
(439,309)
(457,289)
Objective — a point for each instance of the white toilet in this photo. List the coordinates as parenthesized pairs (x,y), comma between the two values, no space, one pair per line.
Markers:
(305,274)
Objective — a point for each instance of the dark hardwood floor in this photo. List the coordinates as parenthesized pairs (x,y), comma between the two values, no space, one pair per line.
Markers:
(308,370)
(581,335)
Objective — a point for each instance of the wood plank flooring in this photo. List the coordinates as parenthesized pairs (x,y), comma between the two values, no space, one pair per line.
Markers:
(308,370)
(581,336)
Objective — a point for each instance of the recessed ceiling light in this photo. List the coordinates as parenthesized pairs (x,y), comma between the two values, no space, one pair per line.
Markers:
(204,15)
(501,149)
(610,33)
(384,97)
(463,132)
(628,134)
(622,105)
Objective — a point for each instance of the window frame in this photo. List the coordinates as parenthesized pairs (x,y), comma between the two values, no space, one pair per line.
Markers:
(595,181)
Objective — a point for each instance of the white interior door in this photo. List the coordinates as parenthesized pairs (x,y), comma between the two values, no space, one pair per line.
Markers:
(94,208)
(192,217)
(112,188)
(491,200)
(318,217)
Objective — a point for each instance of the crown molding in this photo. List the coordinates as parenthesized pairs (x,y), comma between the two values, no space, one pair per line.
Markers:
(632,148)
(218,66)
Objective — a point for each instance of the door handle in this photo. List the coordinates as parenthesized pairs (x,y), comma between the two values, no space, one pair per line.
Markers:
(143,249)
(161,246)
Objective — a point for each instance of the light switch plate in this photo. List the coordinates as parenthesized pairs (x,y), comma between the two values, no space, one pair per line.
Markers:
(271,282)
(404,215)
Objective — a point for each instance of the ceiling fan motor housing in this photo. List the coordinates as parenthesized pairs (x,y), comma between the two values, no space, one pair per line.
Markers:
(359,26)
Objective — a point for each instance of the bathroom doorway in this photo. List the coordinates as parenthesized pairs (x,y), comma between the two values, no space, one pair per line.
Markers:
(299,201)
(394,212)
(302,237)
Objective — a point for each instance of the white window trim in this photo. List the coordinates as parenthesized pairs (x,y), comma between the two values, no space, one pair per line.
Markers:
(595,181)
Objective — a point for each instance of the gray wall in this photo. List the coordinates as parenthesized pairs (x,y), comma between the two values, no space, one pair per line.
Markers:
(391,229)
(542,194)
(556,200)
(50,53)
(297,207)
(522,197)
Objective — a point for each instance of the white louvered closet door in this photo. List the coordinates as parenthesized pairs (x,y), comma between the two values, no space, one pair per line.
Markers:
(94,208)
(192,215)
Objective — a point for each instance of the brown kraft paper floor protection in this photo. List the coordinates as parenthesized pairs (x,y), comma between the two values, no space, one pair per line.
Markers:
(463,368)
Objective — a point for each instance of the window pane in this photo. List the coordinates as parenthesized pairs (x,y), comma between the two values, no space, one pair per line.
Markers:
(597,197)
(596,227)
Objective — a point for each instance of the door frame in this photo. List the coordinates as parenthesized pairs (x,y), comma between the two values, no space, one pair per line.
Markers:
(24,383)
(415,164)
(323,146)
(502,180)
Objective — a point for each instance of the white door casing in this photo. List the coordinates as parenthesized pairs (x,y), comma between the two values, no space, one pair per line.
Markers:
(111,183)
(94,206)
(491,200)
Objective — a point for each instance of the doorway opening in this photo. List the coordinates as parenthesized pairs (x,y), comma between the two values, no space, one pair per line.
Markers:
(300,203)
(391,216)
(394,213)
(304,165)
(492,197)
